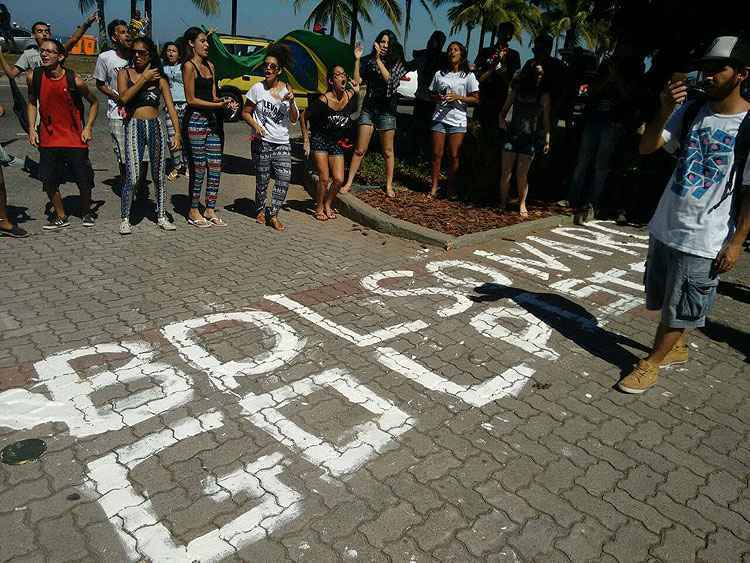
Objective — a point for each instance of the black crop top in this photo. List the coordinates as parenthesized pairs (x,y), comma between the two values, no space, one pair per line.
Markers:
(148,96)
(204,87)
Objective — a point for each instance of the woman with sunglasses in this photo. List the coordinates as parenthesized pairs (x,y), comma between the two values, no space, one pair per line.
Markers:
(171,57)
(325,127)
(382,72)
(142,87)
(270,108)
(204,128)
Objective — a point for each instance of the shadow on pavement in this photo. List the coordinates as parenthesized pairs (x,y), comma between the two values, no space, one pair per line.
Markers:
(18,214)
(570,320)
(731,336)
(736,291)
(233,164)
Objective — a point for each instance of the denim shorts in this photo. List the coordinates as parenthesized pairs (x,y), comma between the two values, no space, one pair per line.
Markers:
(680,285)
(322,143)
(440,127)
(523,143)
(381,121)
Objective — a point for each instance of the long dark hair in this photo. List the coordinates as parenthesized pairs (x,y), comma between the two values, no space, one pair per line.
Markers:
(153,54)
(164,48)
(395,50)
(436,41)
(527,80)
(463,66)
(191,34)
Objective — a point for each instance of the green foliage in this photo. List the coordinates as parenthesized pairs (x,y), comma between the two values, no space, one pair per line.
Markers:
(414,176)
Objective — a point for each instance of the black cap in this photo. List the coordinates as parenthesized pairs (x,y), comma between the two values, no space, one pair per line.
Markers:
(727,49)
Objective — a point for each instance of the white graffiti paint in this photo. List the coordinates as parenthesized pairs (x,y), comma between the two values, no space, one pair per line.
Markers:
(507,384)
(371,283)
(615,277)
(548,262)
(22,410)
(287,344)
(601,226)
(370,438)
(438,268)
(533,340)
(343,332)
(624,302)
(574,250)
(138,525)
(599,239)
(172,388)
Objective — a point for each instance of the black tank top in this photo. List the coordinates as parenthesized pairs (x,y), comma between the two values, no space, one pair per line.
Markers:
(330,121)
(148,96)
(204,87)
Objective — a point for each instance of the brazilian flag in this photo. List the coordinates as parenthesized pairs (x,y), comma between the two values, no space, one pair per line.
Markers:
(312,55)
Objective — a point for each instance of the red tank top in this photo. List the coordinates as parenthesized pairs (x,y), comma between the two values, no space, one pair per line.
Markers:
(60,119)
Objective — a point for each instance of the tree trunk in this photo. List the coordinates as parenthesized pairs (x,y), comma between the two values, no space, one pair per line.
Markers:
(149,16)
(103,39)
(333,22)
(482,31)
(133,8)
(469,29)
(234,17)
(407,21)
(570,37)
(493,37)
(355,17)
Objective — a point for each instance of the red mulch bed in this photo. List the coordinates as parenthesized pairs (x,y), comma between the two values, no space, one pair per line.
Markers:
(452,217)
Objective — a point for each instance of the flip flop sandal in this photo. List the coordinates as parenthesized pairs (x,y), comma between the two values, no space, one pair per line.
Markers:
(200,223)
(320,216)
(217,222)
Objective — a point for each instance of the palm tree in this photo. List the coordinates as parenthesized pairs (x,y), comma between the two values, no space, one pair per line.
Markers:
(206,7)
(571,17)
(84,6)
(338,13)
(407,19)
(390,8)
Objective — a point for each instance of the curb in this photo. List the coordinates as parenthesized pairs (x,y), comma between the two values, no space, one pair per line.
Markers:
(353,208)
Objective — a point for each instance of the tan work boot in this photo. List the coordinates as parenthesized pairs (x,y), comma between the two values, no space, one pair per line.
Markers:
(643,376)
(676,356)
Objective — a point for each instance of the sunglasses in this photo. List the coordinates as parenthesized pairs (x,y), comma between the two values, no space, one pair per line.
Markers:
(49,51)
(270,66)
(140,52)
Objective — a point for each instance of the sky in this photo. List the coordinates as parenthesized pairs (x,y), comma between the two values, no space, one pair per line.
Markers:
(268,18)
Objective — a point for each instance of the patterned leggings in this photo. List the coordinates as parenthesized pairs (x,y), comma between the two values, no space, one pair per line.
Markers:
(179,158)
(205,154)
(142,134)
(275,161)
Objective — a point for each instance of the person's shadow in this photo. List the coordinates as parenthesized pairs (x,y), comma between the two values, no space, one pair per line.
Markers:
(568,319)
(731,336)
(736,291)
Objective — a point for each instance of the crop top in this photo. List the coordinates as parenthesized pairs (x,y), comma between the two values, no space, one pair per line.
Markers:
(148,96)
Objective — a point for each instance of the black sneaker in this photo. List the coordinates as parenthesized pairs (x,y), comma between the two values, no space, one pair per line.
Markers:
(89,220)
(15,232)
(56,223)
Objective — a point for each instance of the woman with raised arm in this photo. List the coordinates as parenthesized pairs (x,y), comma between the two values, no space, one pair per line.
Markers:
(270,108)
(204,128)
(142,87)
(382,71)
(326,126)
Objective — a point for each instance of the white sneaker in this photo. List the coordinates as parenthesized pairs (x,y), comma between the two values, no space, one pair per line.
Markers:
(125,227)
(165,224)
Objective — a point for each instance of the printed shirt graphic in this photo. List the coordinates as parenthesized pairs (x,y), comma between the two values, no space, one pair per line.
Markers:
(271,112)
(694,213)
(453,113)
(108,64)
(173,74)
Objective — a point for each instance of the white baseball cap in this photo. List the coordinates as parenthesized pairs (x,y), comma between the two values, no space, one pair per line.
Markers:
(727,48)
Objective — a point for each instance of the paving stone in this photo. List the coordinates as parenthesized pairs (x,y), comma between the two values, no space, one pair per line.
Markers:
(390,525)
(678,544)
(544,501)
(488,534)
(641,482)
(632,543)
(438,528)
(723,488)
(536,539)
(682,484)
(600,478)
(585,541)
(724,546)
(512,504)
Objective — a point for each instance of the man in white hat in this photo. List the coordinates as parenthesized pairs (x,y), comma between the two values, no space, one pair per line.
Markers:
(703,216)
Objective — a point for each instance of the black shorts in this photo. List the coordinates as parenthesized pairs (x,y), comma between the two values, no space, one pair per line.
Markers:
(60,165)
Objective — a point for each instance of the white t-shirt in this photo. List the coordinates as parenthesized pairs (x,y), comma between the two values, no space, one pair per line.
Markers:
(30,59)
(108,64)
(271,112)
(453,113)
(694,213)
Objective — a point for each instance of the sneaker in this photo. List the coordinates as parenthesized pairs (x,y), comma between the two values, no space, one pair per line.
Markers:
(621,219)
(14,162)
(89,220)
(643,376)
(165,224)
(677,355)
(125,227)
(15,232)
(56,223)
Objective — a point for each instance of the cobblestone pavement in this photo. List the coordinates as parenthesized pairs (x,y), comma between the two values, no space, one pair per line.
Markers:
(331,393)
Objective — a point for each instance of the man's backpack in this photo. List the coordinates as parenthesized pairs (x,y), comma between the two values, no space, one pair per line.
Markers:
(741,150)
(70,77)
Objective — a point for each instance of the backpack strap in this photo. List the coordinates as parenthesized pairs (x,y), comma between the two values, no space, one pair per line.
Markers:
(75,94)
(688,119)
(733,187)
(36,81)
